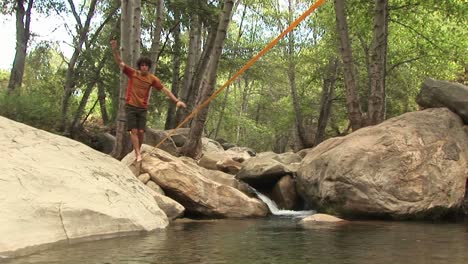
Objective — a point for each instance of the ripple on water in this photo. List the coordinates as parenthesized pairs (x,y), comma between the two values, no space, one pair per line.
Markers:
(276,239)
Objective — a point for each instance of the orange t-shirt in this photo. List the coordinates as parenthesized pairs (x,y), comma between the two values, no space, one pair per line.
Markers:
(139,87)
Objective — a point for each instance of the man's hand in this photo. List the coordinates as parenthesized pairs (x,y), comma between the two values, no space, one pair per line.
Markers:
(181,104)
(113,44)
(116,53)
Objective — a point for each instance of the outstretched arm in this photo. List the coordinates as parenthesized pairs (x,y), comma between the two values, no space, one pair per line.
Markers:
(116,53)
(173,98)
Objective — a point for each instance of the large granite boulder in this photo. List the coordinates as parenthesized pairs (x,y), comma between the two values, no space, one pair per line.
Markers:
(265,169)
(409,167)
(170,207)
(227,161)
(219,177)
(55,189)
(285,158)
(284,193)
(454,96)
(321,218)
(201,196)
(105,142)
(210,145)
(154,137)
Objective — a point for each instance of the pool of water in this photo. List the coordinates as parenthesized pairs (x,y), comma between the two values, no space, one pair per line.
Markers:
(273,240)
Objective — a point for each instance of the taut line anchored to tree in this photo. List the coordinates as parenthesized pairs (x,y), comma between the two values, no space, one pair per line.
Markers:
(268,47)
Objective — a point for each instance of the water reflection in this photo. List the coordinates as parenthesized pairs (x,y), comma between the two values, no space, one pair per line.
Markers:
(273,240)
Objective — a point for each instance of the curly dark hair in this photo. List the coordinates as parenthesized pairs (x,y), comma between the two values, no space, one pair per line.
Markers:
(144,61)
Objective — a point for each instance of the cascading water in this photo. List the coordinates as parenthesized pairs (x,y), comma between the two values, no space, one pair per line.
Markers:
(275,211)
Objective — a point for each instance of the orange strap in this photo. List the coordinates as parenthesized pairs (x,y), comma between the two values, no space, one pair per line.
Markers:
(246,67)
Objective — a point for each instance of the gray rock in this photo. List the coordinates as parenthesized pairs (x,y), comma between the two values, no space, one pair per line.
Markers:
(284,193)
(209,145)
(170,207)
(144,178)
(409,167)
(55,189)
(198,194)
(262,171)
(154,137)
(321,218)
(454,96)
(105,142)
(154,186)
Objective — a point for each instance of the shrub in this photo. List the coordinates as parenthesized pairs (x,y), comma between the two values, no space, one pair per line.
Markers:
(34,108)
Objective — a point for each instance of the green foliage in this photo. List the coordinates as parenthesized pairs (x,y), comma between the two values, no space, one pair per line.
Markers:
(426,39)
(240,128)
(45,69)
(4,77)
(36,109)
(7,7)
(38,101)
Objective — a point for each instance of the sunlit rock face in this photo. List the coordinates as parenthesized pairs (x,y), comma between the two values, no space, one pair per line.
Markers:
(197,189)
(267,168)
(56,189)
(410,167)
(437,93)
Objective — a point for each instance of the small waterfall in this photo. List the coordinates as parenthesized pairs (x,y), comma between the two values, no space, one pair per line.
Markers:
(275,211)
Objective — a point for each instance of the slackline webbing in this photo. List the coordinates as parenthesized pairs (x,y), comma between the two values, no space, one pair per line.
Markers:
(270,45)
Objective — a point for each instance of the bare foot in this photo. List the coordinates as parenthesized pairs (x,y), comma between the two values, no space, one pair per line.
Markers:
(138,159)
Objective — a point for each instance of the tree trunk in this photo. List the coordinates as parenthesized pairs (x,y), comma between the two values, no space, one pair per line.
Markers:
(155,43)
(365,49)
(121,147)
(221,112)
(352,96)
(378,56)
(135,42)
(70,79)
(192,147)
(102,103)
(192,58)
(23,21)
(84,100)
(301,133)
(328,92)
(226,92)
(244,107)
(171,111)
(202,68)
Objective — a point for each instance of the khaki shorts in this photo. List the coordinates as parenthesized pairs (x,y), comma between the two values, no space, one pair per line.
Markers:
(136,117)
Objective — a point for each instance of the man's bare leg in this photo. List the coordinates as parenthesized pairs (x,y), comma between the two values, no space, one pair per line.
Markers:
(134,137)
(141,136)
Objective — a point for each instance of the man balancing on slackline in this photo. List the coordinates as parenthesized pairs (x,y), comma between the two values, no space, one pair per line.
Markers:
(138,92)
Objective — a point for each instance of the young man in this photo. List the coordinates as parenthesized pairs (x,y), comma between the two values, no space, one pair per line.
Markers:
(138,91)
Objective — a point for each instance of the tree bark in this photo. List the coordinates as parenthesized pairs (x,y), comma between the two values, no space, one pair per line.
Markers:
(70,79)
(121,147)
(244,107)
(365,49)
(23,21)
(226,92)
(328,93)
(190,66)
(352,96)
(171,111)
(376,112)
(301,133)
(156,42)
(84,100)
(136,32)
(102,103)
(201,69)
(192,147)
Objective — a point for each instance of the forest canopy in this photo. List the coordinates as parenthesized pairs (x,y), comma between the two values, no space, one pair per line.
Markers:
(349,64)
